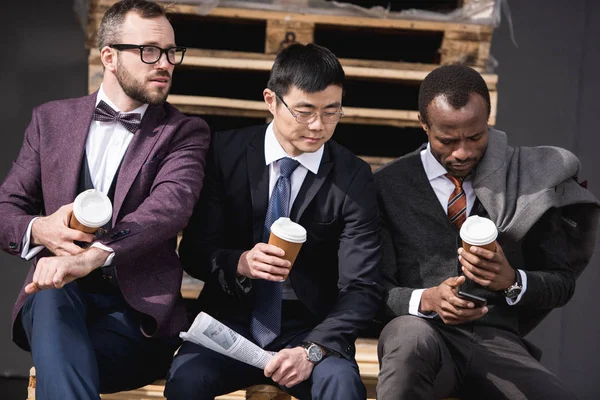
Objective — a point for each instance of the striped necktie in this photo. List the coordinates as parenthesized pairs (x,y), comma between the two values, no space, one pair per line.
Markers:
(457,203)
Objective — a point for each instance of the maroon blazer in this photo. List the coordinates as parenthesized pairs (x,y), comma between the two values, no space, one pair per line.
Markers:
(158,184)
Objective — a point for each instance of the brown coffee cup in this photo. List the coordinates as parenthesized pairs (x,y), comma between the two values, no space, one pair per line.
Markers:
(289,236)
(92,209)
(480,232)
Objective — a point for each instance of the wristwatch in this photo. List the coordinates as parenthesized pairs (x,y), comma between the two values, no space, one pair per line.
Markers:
(514,290)
(314,352)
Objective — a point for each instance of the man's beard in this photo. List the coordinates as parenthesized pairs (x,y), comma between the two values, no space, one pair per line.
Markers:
(136,89)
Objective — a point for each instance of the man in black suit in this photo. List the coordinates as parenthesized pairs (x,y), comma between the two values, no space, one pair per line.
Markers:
(333,289)
(438,343)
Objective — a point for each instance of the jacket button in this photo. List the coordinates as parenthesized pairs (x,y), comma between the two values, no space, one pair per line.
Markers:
(13,245)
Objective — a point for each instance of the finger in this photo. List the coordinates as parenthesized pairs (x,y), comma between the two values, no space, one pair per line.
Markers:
(460,303)
(476,279)
(478,270)
(481,252)
(32,288)
(455,281)
(271,269)
(59,278)
(80,236)
(288,379)
(272,260)
(266,276)
(272,365)
(270,249)
(455,313)
(481,311)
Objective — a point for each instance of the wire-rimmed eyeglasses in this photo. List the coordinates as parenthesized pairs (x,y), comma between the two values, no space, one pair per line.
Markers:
(307,117)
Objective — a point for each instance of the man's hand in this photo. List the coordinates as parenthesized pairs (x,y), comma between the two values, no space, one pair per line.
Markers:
(53,232)
(487,268)
(55,272)
(444,301)
(289,367)
(264,262)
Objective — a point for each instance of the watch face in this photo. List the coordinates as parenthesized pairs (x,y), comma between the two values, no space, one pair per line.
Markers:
(314,353)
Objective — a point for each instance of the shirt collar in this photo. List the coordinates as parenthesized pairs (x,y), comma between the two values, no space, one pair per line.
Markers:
(274,152)
(102,96)
(432,166)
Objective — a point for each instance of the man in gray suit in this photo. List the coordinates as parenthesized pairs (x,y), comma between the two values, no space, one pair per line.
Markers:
(438,343)
(106,318)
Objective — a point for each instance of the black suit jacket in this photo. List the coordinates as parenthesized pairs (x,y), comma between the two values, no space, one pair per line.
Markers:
(336,275)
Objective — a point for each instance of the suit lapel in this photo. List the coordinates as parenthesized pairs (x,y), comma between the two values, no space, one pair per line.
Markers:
(258,180)
(74,137)
(142,143)
(311,185)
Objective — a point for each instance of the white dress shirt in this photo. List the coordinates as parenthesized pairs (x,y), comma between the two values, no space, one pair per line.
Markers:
(443,188)
(105,147)
(309,162)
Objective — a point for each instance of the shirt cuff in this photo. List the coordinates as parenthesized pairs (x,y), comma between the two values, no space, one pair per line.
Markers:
(415,302)
(105,248)
(25,252)
(524,284)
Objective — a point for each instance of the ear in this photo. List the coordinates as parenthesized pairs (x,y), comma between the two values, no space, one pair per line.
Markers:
(423,124)
(271,100)
(108,57)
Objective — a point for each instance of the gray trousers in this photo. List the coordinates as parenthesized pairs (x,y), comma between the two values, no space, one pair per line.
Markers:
(422,359)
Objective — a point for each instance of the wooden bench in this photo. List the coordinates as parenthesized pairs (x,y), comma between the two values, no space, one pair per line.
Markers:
(366,357)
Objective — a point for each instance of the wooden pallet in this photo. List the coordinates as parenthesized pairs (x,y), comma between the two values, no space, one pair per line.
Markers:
(395,77)
(460,42)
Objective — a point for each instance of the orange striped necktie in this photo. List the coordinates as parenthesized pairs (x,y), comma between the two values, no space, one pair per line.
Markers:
(457,203)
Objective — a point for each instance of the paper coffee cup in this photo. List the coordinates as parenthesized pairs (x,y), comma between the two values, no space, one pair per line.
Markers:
(480,232)
(289,236)
(91,210)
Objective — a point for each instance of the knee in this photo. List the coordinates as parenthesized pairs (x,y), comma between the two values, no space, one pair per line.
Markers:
(189,378)
(408,337)
(337,377)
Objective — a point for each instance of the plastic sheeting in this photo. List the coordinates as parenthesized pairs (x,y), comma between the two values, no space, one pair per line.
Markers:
(477,11)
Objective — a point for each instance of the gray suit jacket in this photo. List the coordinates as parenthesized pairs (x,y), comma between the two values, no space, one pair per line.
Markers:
(158,184)
(419,244)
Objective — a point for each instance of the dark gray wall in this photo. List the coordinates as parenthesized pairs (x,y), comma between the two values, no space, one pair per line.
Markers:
(547,95)
(43,59)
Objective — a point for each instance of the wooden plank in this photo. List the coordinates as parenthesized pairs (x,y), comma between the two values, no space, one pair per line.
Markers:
(282,33)
(263,62)
(465,48)
(314,17)
(202,104)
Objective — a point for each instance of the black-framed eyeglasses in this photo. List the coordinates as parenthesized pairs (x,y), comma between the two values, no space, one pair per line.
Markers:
(307,117)
(150,54)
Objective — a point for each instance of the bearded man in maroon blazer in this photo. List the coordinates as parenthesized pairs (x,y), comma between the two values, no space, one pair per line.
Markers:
(101,313)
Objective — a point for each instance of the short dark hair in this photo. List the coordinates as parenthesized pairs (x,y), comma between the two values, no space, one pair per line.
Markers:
(112,21)
(311,68)
(456,83)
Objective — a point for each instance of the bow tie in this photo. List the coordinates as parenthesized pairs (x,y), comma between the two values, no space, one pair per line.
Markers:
(105,113)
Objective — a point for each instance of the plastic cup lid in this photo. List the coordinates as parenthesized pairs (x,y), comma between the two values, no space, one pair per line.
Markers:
(92,208)
(288,230)
(478,231)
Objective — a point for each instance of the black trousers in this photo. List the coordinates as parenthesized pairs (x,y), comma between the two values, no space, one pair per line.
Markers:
(201,374)
(422,359)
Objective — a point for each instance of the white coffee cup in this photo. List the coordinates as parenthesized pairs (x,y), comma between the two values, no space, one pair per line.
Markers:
(92,209)
(289,236)
(479,231)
